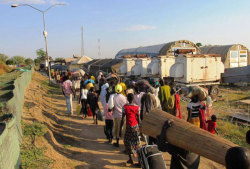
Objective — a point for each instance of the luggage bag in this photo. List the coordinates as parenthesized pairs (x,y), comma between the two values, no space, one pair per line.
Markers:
(150,157)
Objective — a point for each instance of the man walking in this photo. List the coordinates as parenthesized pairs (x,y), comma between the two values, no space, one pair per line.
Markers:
(115,104)
(67,92)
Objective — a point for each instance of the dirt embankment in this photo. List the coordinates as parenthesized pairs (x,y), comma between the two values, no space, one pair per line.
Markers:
(73,142)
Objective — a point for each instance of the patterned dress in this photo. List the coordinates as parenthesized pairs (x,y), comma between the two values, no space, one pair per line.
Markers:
(131,139)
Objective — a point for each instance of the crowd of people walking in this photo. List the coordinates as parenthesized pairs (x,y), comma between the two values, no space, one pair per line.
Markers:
(125,103)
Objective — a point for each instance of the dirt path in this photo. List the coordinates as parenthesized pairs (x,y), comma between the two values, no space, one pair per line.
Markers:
(73,142)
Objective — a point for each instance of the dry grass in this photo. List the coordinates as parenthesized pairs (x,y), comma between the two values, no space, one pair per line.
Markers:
(3,68)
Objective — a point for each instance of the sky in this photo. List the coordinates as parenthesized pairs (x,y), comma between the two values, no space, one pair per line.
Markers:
(119,24)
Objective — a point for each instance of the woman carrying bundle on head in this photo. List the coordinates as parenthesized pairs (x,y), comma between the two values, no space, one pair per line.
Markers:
(196,112)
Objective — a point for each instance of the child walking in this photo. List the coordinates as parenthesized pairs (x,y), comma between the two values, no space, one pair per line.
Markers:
(212,125)
(93,104)
(83,100)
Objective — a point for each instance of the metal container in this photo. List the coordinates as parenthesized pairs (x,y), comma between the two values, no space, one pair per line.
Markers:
(125,68)
(140,67)
(197,69)
(235,55)
(160,66)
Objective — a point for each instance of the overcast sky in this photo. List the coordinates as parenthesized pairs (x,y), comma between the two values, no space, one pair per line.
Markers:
(120,24)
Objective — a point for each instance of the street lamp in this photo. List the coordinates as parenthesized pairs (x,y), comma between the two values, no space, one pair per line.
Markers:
(44,32)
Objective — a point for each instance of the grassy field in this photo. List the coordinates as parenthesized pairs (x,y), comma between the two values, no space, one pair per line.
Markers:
(227,104)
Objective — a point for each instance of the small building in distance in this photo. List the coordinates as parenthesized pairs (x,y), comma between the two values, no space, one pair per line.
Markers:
(160,50)
(79,62)
(235,55)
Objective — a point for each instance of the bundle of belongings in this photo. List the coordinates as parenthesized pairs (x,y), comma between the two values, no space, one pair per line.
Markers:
(197,90)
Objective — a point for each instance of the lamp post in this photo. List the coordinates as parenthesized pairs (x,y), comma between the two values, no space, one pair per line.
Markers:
(44,32)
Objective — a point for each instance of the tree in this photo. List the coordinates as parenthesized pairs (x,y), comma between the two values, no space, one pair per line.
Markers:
(28,61)
(10,62)
(18,59)
(58,59)
(199,44)
(3,57)
(37,61)
(41,55)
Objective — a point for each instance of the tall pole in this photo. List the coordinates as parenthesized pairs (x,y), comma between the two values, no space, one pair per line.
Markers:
(82,45)
(44,32)
(46,44)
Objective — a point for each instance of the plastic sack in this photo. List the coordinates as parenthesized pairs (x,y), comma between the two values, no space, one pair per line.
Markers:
(78,109)
(99,115)
(89,112)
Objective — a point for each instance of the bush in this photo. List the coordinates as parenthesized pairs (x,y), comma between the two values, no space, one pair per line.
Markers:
(3,68)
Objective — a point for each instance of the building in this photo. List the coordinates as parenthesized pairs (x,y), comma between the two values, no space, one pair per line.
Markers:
(161,49)
(112,66)
(86,66)
(79,62)
(235,55)
(95,67)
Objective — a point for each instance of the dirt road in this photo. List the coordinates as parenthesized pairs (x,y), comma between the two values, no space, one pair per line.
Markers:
(73,142)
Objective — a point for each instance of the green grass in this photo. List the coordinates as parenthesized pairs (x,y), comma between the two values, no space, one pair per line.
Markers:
(67,146)
(34,130)
(233,132)
(222,108)
(33,157)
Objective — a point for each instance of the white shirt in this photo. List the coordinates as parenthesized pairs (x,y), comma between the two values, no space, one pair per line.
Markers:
(156,91)
(194,108)
(84,94)
(76,84)
(116,102)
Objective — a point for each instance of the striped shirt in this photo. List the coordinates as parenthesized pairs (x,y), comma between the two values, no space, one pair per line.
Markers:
(194,108)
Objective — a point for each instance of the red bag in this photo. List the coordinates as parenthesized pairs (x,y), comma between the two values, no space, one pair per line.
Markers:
(90,112)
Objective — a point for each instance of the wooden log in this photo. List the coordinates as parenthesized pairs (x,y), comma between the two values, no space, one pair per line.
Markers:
(187,136)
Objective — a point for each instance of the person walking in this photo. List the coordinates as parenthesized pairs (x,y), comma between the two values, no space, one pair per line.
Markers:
(157,88)
(101,82)
(164,95)
(211,125)
(109,123)
(67,91)
(103,94)
(77,85)
(92,100)
(193,108)
(115,104)
(138,95)
(148,103)
(124,88)
(83,100)
(131,138)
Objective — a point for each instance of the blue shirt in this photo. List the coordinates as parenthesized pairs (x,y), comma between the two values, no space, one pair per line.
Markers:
(89,80)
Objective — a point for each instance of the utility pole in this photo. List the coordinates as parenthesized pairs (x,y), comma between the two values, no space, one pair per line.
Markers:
(44,32)
(82,46)
(99,49)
